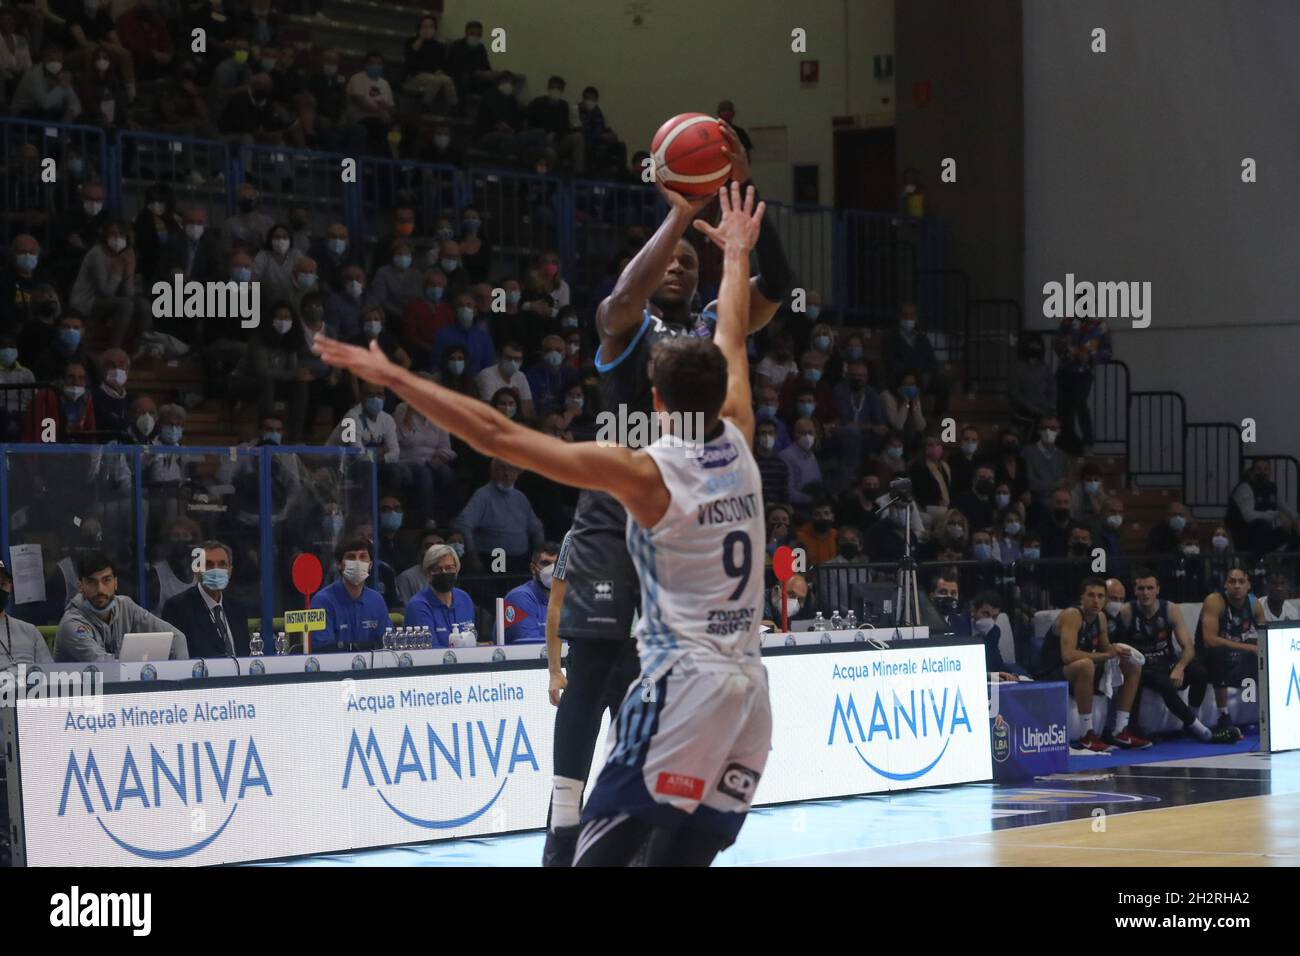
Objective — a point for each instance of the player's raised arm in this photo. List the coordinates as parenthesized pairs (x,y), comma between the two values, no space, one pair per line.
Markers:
(620,314)
(629,476)
(735,234)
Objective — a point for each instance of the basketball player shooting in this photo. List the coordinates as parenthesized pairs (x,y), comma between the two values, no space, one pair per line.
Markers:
(692,736)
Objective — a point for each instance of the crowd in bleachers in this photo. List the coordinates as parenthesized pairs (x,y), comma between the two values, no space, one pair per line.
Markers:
(843,411)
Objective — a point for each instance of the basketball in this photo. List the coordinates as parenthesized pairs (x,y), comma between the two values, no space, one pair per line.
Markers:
(688,157)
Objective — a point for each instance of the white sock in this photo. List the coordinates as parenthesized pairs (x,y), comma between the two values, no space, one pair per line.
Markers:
(1199,729)
(566,802)
(1121,720)
(1085,721)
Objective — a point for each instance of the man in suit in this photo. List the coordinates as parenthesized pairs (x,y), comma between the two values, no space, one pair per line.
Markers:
(214,625)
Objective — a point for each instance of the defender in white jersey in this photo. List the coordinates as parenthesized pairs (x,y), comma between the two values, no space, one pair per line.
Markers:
(692,736)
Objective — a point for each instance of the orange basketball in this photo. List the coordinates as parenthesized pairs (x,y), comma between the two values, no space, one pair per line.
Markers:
(687,154)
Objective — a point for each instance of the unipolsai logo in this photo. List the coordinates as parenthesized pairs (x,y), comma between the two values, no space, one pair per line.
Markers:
(148,790)
(1001,739)
(440,777)
(930,716)
(1033,740)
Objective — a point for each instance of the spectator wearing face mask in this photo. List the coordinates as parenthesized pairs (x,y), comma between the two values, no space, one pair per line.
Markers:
(950,531)
(775,368)
(453,372)
(801,459)
(818,537)
(1033,386)
(467,61)
(798,606)
(579,415)
(1109,527)
(564,139)
(1258,518)
(333,253)
(525,606)
(274,264)
(441,605)
(369,426)
(1081,345)
(1220,558)
(499,516)
(1164,537)
(1008,538)
(977,502)
(931,477)
(857,506)
(413,579)
(447,257)
(835,584)
(68,405)
(356,616)
(18,282)
(506,374)
(1010,469)
(343,307)
(156,227)
(66,345)
(985,610)
(248,228)
(966,457)
(778,524)
(110,398)
(902,408)
(861,426)
(500,124)
(396,282)
(306,281)
(1054,528)
(1087,497)
(1046,466)
(772,469)
(46,91)
(424,316)
(466,335)
(812,366)
(890,463)
(1189,577)
(272,371)
(475,248)
(13,403)
(194,253)
(906,347)
(426,67)
(549,379)
(105,287)
(767,407)
(215,624)
(606,155)
(104,89)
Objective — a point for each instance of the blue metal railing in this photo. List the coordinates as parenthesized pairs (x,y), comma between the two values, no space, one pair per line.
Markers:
(45,510)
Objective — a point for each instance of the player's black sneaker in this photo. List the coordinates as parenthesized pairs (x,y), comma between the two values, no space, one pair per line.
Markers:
(561,843)
(1225,723)
(1225,735)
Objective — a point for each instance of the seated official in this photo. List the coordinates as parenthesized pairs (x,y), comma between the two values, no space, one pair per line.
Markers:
(356,616)
(214,625)
(526,605)
(20,642)
(984,624)
(97,618)
(441,604)
(412,579)
(798,606)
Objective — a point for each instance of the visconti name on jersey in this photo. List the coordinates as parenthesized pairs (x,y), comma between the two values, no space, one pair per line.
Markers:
(728,510)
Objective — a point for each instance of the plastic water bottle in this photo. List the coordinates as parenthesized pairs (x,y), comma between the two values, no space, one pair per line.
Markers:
(851,622)
(426,638)
(836,623)
(255,646)
(819,622)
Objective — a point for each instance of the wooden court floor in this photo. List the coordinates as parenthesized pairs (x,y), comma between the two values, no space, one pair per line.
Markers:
(1248,831)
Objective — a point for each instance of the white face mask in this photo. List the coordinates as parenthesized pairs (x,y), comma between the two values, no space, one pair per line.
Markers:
(766,442)
(337,246)
(280,246)
(74,392)
(355,572)
(983,625)
(194,231)
(282,326)
(546,576)
(1112,607)
(92,208)
(157,208)
(1049,436)
(117,243)
(355,289)
(144,424)
(1114,522)
(792,605)
(116,377)
(806,442)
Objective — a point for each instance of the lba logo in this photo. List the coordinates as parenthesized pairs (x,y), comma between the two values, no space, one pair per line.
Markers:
(465,765)
(930,716)
(199,776)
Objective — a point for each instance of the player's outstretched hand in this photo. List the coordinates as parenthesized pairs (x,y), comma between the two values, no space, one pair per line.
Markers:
(740,223)
(370,364)
(735,152)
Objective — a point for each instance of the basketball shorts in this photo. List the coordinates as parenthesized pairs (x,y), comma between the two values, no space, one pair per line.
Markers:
(688,749)
(1229,668)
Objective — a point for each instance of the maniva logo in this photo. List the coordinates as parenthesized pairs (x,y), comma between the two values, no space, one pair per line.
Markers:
(199,775)
(465,765)
(932,715)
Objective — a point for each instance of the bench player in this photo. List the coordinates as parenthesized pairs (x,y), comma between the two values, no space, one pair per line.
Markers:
(689,752)
(1227,638)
